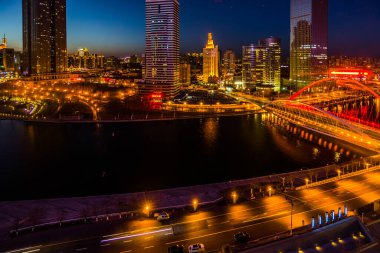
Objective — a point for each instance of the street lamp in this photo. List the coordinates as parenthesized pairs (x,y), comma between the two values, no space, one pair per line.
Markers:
(195,204)
(147,209)
(234,197)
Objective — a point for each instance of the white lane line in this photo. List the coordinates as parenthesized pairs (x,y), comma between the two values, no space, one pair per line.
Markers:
(81,249)
(28,248)
(30,251)
(149,237)
(126,251)
(169,234)
(127,241)
(148,247)
(137,235)
(105,245)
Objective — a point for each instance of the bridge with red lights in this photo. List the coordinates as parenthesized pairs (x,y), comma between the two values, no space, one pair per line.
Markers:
(345,109)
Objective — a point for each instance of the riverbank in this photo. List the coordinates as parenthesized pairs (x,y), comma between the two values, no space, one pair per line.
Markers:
(132,119)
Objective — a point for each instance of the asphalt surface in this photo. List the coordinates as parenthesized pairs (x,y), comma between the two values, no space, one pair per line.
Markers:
(213,227)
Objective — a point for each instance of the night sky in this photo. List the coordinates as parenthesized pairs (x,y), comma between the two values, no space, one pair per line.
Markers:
(117,27)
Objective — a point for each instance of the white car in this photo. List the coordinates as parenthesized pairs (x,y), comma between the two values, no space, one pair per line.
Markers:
(197,248)
(163,216)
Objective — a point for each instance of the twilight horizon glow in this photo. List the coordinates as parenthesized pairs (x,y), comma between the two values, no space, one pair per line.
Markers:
(118,28)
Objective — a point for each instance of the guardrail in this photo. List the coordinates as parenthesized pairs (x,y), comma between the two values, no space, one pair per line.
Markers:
(348,175)
(96,218)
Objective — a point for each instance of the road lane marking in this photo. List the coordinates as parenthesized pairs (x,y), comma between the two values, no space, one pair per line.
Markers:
(81,249)
(30,251)
(127,241)
(105,245)
(148,247)
(126,251)
(136,235)
(28,248)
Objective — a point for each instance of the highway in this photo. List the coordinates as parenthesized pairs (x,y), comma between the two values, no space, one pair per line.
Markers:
(214,227)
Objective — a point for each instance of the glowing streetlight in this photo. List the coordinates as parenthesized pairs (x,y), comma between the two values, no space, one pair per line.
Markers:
(270,191)
(234,197)
(147,210)
(195,204)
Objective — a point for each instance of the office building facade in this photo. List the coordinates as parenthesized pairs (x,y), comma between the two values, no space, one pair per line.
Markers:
(44,36)
(162,58)
(308,41)
(210,60)
(272,62)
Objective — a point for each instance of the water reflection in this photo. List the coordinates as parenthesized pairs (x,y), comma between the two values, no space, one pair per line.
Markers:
(210,131)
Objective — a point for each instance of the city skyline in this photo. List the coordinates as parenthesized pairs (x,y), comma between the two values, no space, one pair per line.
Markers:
(114,30)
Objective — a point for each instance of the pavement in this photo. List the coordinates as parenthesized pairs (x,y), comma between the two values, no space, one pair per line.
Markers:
(214,226)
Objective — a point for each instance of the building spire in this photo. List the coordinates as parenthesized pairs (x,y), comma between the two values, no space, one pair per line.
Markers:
(3,42)
(210,41)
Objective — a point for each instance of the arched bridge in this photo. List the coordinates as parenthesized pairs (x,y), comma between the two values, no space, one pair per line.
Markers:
(342,109)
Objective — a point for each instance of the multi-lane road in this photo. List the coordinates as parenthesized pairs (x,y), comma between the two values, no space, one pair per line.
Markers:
(213,227)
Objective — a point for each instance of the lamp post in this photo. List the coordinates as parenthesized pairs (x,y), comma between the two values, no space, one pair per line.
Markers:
(147,208)
(291,217)
(195,205)
(234,197)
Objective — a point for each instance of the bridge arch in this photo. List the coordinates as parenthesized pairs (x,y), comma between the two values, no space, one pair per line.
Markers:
(348,83)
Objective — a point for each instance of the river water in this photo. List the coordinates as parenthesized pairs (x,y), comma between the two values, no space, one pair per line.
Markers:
(40,160)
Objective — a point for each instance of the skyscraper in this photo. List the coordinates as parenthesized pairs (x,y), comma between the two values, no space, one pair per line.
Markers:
(44,36)
(210,60)
(272,67)
(261,63)
(162,48)
(229,66)
(308,41)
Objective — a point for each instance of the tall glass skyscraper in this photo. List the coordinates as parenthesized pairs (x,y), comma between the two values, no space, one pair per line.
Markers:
(308,41)
(162,57)
(44,36)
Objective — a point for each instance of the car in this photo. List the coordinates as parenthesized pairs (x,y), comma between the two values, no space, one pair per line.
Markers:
(242,237)
(176,249)
(196,248)
(163,216)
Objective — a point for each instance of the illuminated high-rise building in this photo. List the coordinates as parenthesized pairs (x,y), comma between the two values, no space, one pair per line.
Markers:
(272,67)
(162,57)
(253,64)
(261,64)
(308,41)
(44,36)
(210,60)
(229,65)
